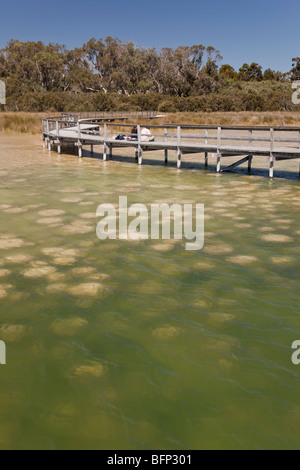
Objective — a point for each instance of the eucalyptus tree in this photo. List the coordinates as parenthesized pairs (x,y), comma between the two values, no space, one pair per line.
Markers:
(251,72)
(295,72)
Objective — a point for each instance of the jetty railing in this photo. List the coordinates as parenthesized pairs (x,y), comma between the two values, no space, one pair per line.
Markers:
(277,143)
(74,117)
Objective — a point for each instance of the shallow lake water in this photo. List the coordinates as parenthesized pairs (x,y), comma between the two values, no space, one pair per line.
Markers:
(144,345)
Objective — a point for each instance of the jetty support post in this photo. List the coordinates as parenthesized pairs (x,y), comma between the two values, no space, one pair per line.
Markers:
(79,143)
(58,139)
(206,153)
(49,146)
(179,151)
(104,143)
(271,170)
(250,158)
(219,155)
(250,141)
(92,149)
(206,159)
(166,150)
(110,152)
(218,167)
(47,135)
(272,159)
(140,152)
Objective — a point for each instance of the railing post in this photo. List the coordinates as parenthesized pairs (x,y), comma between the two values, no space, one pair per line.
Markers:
(206,137)
(78,130)
(272,132)
(250,137)
(219,137)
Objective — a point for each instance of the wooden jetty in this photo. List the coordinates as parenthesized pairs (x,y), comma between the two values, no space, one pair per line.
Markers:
(92,129)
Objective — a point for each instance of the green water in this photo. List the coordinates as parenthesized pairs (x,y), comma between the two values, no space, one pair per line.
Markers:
(143,345)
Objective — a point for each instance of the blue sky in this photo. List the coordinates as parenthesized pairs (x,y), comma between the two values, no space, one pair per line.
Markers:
(262,31)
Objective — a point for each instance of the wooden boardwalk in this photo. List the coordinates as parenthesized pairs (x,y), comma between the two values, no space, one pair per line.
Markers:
(275,144)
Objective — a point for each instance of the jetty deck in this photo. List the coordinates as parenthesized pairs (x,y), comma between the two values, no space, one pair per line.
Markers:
(217,142)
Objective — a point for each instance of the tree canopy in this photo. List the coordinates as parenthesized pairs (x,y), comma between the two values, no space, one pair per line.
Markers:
(112,73)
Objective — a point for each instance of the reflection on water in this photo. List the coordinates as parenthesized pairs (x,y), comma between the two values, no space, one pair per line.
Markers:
(142,345)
